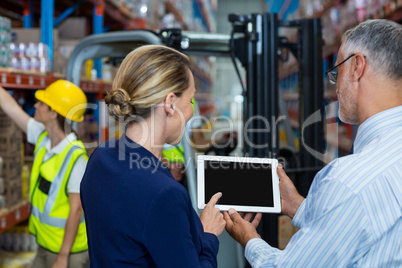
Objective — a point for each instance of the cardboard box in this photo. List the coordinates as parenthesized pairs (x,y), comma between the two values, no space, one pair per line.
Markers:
(62,54)
(21,35)
(10,137)
(12,192)
(12,167)
(285,231)
(73,28)
(2,187)
(6,124)
(10,152)
(10,143)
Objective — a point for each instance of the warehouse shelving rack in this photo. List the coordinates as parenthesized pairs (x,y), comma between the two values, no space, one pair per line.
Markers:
(14,215)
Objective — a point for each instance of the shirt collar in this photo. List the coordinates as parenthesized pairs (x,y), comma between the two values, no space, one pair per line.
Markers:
(376,125)
(59,148)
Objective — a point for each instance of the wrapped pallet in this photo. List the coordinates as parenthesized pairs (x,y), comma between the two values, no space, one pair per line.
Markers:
(10,152)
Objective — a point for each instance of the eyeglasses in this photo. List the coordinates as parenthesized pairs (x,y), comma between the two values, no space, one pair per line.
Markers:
(333,74)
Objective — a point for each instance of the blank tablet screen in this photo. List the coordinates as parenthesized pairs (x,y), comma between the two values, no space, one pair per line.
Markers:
(242,184)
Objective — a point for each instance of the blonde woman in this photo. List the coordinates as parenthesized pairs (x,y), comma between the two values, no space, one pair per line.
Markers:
(136,213)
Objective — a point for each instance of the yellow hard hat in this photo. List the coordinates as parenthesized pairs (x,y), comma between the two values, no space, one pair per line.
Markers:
(65,98)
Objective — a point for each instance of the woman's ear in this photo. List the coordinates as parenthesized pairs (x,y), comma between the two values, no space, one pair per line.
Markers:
(169,103)
(53,114)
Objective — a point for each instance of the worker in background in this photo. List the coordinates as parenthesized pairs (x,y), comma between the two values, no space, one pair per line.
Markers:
(352,215)
(59,163)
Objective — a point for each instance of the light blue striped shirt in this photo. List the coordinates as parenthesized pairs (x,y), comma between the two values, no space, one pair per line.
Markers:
(352,216)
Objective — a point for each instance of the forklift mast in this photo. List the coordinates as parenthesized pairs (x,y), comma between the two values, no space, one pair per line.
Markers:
(258,50)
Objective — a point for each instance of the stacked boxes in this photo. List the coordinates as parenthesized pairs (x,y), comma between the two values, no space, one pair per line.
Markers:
(10,152)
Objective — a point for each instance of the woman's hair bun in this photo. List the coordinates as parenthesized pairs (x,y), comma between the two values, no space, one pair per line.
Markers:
(144,79)
(119,104)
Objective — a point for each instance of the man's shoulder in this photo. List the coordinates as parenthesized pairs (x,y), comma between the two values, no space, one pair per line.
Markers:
(339,166)
(358,171)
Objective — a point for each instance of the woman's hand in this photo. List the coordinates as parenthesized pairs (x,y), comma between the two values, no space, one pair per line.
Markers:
(211,217)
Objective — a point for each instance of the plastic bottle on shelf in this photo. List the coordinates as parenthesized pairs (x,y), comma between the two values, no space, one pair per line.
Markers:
(5,38)
(21,49)
(106,72)
(3,34)
(23,60)
(94,74)
(8,56)
(14,49)
(33,246)
(31,50)
(43,58)
(16,245)
(24,64)
(7,240)
(44,66)
(43,50)
(15,63)
(25,241)
(34,64)
(3,56)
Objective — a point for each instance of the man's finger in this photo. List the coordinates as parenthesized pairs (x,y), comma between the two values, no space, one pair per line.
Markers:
(234,215)
(281,173)
(229,222)
(227,218)
(257,220)
(248,216)
(214,199)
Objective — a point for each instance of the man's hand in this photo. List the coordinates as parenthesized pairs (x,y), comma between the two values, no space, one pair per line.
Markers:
(290,198)
(211,217)
(242,230)
(61,261)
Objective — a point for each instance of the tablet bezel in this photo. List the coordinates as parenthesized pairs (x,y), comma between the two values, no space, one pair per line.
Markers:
(201,183)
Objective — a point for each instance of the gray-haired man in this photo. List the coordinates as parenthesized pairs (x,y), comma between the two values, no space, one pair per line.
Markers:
(352,215)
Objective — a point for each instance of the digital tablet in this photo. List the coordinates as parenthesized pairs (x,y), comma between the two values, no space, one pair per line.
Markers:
(247,184)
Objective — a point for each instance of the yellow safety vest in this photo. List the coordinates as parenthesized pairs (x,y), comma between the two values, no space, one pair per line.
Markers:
(176,153)
(50,206)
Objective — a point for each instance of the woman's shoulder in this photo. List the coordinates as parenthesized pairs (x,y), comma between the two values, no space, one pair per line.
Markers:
(104,150)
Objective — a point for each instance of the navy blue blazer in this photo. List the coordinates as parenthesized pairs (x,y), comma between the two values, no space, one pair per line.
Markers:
(137,214)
